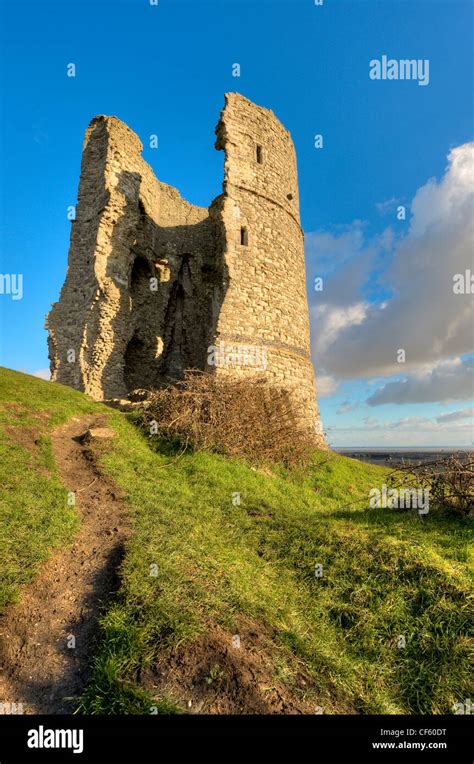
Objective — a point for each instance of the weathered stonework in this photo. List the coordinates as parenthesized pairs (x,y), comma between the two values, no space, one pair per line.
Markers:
(153,282)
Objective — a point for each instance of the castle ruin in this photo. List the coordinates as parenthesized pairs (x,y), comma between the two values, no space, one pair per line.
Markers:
(156,285)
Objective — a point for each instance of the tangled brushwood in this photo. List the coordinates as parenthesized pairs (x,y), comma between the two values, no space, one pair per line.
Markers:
(244,418)
(449,480)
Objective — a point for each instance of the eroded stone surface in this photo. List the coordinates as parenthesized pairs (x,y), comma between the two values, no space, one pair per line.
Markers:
(98,433)
(154,282)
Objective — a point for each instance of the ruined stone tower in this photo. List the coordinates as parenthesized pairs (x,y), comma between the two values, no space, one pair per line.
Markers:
(156,285)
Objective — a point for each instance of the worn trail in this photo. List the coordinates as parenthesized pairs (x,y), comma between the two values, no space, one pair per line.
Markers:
(47,639)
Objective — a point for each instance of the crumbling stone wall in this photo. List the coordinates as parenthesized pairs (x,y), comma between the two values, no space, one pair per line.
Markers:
(153,282)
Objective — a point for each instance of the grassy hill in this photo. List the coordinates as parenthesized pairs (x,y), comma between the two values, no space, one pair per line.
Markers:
(221,602)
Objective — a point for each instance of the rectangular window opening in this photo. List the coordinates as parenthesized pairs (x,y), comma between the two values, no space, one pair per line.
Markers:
(259,154)
(244,237)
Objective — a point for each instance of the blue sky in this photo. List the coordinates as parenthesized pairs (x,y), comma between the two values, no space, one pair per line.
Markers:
(164,69)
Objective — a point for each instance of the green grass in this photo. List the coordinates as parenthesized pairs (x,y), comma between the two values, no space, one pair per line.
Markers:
(34,513)
(386,574)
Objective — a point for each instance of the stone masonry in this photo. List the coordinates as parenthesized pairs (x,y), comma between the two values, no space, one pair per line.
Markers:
(156,285)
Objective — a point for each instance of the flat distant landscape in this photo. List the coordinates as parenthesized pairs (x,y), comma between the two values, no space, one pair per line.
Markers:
(401,454)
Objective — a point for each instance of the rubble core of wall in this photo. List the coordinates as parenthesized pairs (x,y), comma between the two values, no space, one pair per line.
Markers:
(131,228)
(153,281)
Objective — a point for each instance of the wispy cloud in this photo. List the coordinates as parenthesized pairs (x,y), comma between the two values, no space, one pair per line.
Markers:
(447,381)
(455,416)
(347,406)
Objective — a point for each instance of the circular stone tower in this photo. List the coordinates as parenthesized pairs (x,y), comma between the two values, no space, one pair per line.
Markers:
(265,304)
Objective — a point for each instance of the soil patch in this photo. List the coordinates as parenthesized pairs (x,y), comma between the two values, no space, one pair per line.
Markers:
(47,639)
(223,673)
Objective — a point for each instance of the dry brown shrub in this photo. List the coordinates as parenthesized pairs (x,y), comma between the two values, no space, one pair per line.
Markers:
(449,480)
(245,418)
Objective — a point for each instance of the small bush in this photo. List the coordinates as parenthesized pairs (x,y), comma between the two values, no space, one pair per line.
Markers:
(245,418)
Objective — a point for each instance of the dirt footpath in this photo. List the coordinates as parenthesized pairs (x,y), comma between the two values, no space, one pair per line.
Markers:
(47,639)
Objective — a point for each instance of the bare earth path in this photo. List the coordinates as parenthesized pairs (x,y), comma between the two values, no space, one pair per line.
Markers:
(37,667)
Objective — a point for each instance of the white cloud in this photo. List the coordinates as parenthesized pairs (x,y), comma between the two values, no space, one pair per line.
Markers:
(355,337)
(407,431)
(347,406)
(333,322)
(455,416)
(388,206)
(326,385)
(417,424)
(437,204)
(447,381)
(371,423)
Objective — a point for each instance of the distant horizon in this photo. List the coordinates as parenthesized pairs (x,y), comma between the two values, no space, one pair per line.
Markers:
(44,375)
(433,449)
